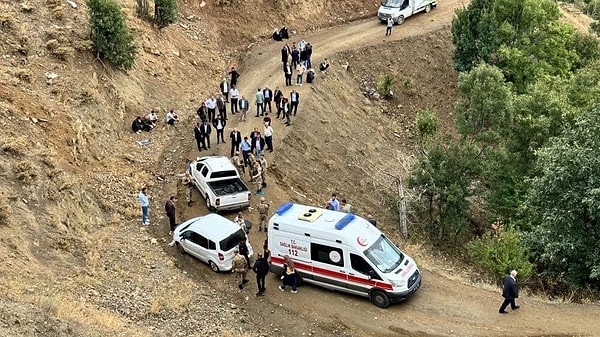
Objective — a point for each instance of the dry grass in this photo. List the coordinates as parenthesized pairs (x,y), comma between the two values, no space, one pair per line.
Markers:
(52,44)
(26,171)
(58,12)
(24,74)
(5,212)
(15,145)
(8,20)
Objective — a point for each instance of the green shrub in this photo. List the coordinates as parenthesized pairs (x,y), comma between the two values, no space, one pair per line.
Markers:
(110,34)
(427,123)
(500,252)
(384,85)
(165,12)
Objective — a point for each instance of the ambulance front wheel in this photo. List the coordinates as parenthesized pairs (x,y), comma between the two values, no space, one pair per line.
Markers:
(380,299)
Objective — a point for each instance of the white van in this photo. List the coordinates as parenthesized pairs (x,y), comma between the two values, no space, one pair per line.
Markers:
(400,10)
(341,252)
(212,239)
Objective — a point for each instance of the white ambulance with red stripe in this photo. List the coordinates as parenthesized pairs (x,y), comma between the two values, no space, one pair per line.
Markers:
(341,252)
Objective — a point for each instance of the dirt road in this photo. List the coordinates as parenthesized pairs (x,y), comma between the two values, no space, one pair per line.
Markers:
(444,305)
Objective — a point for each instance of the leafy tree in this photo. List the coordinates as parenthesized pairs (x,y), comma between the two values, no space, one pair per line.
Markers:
(110,35)
(474,35)
(501,252)
(563,204)
(384,85)
(486,107)
(427,124)
(165,12)
(442,175)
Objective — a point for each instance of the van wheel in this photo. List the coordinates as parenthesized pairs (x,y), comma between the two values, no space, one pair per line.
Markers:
(428,8)
(213,266)
(180,248)
(380,299)
(400,20)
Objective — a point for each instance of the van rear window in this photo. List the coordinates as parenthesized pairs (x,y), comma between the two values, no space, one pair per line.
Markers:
(232,240)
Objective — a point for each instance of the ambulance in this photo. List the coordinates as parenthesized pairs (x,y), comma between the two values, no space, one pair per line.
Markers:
(342,252)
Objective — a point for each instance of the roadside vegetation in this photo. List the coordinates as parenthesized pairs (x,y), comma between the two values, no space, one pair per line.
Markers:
(527,153)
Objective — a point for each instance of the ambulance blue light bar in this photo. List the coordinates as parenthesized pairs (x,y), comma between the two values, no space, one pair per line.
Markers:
(284,208)
(344,221)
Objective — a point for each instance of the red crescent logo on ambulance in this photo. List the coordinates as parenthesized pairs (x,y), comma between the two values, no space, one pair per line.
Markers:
(361,241)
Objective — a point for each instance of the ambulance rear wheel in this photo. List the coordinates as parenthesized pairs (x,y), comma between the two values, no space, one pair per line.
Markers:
(380,299)
(428,8)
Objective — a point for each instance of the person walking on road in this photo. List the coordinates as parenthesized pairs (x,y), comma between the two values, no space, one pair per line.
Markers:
(170,211)
(239,267)
(289,275)
(510,291)
(261,268)
(263,213)
(145,204)
(390,24)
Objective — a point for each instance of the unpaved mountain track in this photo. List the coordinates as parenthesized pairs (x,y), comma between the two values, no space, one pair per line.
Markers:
(442,306)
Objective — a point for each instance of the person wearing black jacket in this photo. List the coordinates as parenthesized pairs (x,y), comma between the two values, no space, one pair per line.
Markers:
(234,77)
(261,268)
(277,94)
(170,210)
(268,95)
(219,125)
(244,251)
(236,140)
(225,89)
(285,51)
(510,291)
(199,137)
(206,131)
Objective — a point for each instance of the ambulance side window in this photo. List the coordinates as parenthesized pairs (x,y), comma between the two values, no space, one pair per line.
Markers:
(360,265)
(326,254)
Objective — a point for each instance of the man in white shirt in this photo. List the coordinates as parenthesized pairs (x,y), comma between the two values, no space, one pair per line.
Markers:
(211,105)
(234,93)
(172,117)
(268,132)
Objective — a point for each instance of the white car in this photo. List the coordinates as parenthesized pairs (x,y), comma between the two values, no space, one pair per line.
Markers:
(212,239)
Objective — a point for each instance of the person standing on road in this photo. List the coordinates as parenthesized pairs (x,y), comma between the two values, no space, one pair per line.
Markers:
(225,89)
(170,211)
(277,99)
(206,131)
(219,125)
(222,106)
(289,275)
(510,291)
(239,267)
(261,268)
(234,77)
(268,130)
(287,71)
(263,166)
(211,105)
(263,213)
(236,140)
(294,100)
(335,204)
(187,183)
(390,24)
(145,204)
(244,106)
(257,178)
(268,96)
(243,248)
(246,149)
(234,99)
(199,137)
(260,103)
(300,69)
(345,207)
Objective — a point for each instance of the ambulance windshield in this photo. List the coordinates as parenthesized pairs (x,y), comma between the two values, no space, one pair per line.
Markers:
(384,255)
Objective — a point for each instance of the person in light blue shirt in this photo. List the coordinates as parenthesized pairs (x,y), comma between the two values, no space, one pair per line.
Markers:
(334,202)
(246,149)
(145,204)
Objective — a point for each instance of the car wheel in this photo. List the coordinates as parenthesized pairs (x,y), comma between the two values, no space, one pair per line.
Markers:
(380,299)
(180,248)
(400,20)
(213,266)
(428,8)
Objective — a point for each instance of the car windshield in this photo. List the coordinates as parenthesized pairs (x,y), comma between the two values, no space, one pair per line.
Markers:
(384,255)
(392,3)
(232,240)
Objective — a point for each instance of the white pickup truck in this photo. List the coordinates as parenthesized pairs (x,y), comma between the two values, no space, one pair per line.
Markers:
(219,183)
(399,10)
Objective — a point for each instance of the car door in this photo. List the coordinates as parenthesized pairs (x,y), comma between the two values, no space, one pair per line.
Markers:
(196,245)
(361,275)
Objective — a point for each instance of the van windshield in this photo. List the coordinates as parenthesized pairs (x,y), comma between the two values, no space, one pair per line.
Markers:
(384,255)
(392,3)
(232,240)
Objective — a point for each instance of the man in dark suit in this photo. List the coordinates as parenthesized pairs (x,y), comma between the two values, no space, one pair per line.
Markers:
(206,131)
(510,291)
(234,75)
(294,100)
(199,137)
(268,95)
(219,125)
(236,140)
(277,94)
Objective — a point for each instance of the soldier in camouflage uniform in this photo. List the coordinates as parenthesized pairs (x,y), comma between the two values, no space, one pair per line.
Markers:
(188,185)
(263,212)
